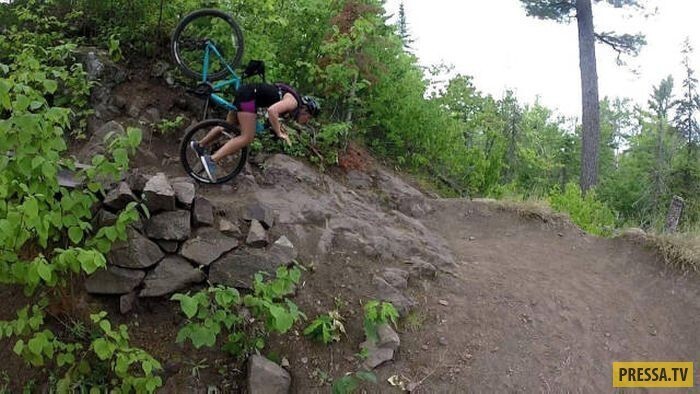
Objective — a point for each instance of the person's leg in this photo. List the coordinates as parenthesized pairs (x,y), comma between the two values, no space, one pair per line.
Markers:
(247,123)
(216,131)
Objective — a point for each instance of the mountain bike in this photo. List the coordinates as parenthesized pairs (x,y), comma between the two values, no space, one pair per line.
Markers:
(208,45)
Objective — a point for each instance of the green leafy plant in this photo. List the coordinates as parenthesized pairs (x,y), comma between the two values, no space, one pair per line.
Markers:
(112,346)
(351,381)
(586,210)
(166,125)
(376,314)
(269,302)
(114,48)
(326,328)
(208,312)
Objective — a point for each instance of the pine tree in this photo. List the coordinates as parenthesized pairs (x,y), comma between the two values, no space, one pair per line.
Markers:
(403,28)
(564,11)
(687,124)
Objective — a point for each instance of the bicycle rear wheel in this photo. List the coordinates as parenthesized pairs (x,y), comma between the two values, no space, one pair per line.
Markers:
(228,167)
(189,42)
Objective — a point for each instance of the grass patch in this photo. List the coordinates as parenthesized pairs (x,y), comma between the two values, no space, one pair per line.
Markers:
(680,251)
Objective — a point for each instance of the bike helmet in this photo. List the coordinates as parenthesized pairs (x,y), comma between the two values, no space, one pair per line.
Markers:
(311,104)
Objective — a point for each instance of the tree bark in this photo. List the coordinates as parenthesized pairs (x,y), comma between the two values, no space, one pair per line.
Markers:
(674,214)
(589,95)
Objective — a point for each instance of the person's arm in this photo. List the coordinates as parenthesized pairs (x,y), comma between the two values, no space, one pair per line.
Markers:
(287,104)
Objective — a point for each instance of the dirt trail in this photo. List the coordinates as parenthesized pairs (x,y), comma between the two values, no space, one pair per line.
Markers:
(543,309)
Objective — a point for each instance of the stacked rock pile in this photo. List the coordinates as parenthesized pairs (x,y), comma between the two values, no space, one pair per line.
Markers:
(181,244)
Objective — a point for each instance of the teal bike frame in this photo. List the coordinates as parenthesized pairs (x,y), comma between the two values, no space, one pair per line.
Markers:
(234,81)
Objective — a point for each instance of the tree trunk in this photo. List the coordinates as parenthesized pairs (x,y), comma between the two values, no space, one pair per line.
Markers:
(674,214)
(589,95)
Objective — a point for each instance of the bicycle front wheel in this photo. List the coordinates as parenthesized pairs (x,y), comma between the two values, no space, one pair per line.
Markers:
(205,134)
(188,44)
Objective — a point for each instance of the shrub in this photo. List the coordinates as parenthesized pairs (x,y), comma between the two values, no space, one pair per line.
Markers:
(586,211)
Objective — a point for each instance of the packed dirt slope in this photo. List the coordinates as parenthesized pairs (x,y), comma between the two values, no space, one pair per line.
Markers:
(518,304)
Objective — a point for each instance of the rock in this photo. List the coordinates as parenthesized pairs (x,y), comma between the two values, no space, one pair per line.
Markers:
(260,212)
(118,198)
(284,363)
(105,218)
(172,274)
(283,250)
(158,194)
(152,115)
(396,277)
(388,338)
(422,269)
(168,246)
(257,237)
(126,302)
(207,246)
(387,292)
(203,212)
(266,377)
(415,206)
(236,269)
(137,180)
(171,226)
(113,280)
(136,252)
(376,356)
(184,192)
(359,180)
(442,341)
(99,140)
(443,302)
(229,228)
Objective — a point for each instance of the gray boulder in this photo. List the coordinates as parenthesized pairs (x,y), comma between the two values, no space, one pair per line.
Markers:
(236,269)
(119,197)
(203,212)
(283,251)
(99,140)
(159,194)
(104,218)
(260,212)
(137,180)
(170,226)
(257,236)
(229,228)
(396,277)
(207,246)
(168,246)
(388,338)
(389,293)
(172,274)
(421,269)
(383,349)
(184,192)
(126,302)
(114,280)
(376,356)
(359,180)
(136,252)
(266,377)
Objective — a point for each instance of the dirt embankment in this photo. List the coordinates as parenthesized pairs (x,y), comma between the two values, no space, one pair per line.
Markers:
(515,304)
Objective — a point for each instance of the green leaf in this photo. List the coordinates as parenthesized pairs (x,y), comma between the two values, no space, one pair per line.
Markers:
(75,234)
(19,347)
(50,85)
(189,306)
(45,271)
(102,348)
(5,94)
(36,344)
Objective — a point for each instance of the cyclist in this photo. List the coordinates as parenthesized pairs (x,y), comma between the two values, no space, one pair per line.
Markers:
(279,99)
